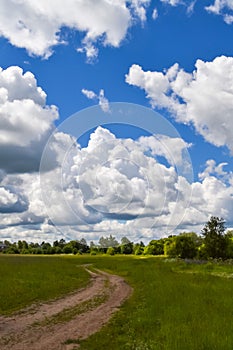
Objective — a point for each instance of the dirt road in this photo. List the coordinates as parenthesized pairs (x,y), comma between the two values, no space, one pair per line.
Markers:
(52,325)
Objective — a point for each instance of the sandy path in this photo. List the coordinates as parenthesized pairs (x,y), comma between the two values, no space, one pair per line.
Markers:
(20,333)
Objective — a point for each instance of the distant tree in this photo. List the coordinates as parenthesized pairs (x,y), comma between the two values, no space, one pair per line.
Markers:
(84,248)
(138,249)
(12,248)
(46,248)
(111,251)
(92,245)
(75,251)
(184,246)
(229,244)
(127,248)
(56,243)
(58,250)
(61,243)
(214,239)
(125,240)
(155,247)
(106,242)
(68,249)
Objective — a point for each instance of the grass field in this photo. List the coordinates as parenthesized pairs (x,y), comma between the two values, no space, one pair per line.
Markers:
(28,279)
(174,306)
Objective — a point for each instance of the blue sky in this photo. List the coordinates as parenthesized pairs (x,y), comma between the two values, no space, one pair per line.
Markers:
(173,56)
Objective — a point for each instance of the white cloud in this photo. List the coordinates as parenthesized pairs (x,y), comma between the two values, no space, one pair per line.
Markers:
(172,2)
(25,120)
(11,202)
(170,148)
(155,14)
(139,8)
(110,180)
(103,101)
(213,169)
(189,4)
(114,186)
(203,98)
(223,8)
(37,26)
(89,94)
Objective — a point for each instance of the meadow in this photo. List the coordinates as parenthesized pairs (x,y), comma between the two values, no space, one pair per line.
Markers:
(174,306)
(30,279)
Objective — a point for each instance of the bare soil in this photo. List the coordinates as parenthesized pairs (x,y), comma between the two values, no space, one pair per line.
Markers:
(31,329)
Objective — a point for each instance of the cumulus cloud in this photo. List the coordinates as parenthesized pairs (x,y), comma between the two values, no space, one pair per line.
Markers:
(213,169)
(125,182)
(37,26)
(103,101)
(203,98)
(110,180)
(11,202)
(114,185)
(223,8)
(169,148)
(25,120)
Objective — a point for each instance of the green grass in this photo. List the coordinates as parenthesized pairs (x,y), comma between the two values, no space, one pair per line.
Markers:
(25,280)
(169,310)
(175,306)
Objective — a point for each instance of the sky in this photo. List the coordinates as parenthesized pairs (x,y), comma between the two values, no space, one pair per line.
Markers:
(115,118)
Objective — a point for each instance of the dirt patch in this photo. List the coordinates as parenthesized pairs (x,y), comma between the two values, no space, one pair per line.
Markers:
(42,327)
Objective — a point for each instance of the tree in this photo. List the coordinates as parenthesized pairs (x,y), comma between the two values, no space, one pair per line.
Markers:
(125,240)
(155,247)
(214,239)
(138,249)
(229,243)
(106,242)
(127,248)
(111,251)
(84,248)
(184,246)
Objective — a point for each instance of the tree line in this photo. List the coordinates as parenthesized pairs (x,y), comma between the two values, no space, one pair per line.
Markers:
(213,242)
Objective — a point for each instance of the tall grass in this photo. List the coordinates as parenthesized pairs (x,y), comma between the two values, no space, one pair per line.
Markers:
(28,279)
(174,306)
(169,310)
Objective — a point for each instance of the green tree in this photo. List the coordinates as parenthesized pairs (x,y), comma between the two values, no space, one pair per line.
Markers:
(138,249)
(184,246)
(155,247)
(229,244)
(106,242)
(111,251)
(127,248)
(214,239)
